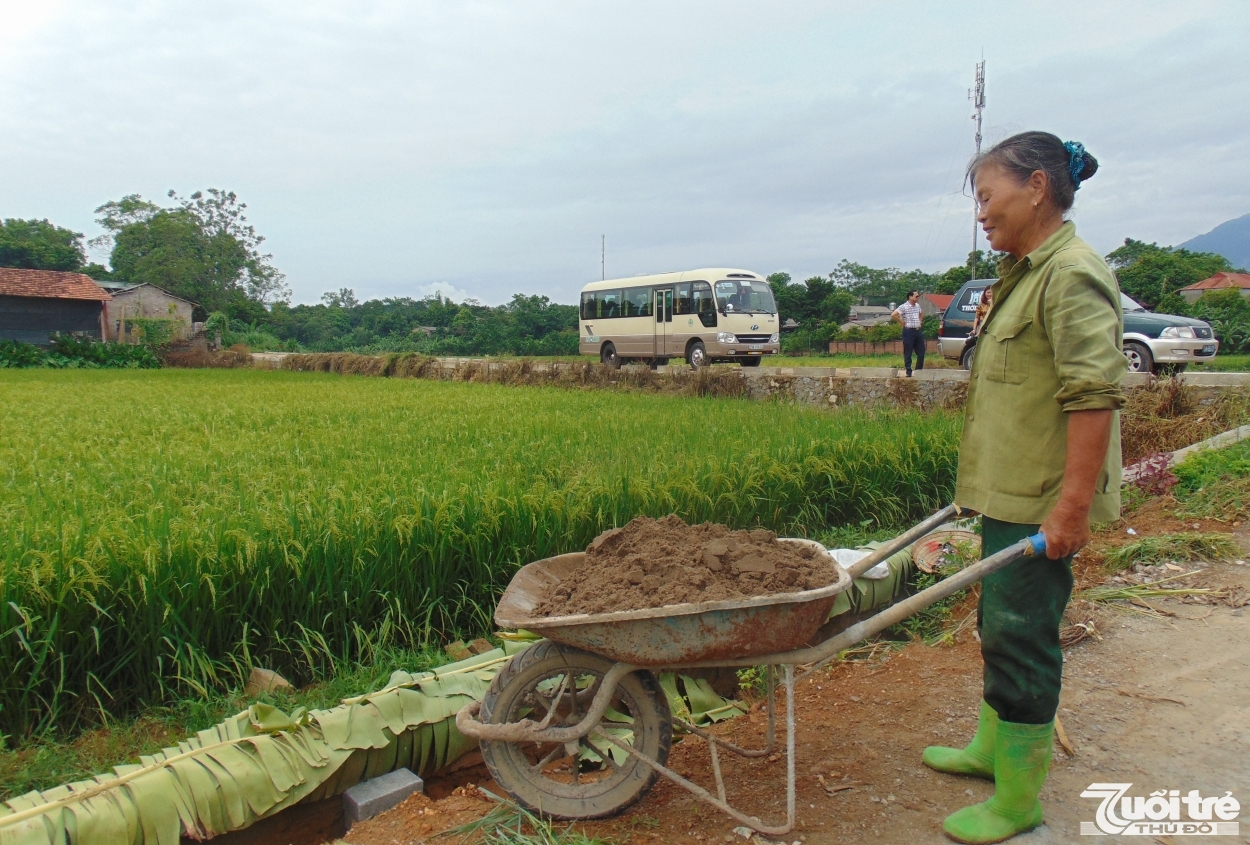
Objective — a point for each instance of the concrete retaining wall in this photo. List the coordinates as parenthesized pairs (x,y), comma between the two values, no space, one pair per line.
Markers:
(825,387)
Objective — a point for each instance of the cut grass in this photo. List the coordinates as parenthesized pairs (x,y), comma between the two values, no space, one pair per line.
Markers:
(161,532)
(1187,546)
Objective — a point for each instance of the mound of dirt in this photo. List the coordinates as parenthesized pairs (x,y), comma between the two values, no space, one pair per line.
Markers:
(657,562)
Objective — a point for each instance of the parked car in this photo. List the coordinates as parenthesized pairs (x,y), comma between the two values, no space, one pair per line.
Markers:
(1153,343)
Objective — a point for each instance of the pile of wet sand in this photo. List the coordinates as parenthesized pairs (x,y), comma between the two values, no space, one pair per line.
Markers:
(657,562)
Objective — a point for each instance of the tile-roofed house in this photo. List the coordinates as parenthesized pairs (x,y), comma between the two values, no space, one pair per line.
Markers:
(148,302)
(935,303)
(1218,282)
(36,304)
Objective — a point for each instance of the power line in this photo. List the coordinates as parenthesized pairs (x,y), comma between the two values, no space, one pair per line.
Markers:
(977,95)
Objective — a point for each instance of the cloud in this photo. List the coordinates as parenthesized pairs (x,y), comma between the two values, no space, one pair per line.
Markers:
(488,146)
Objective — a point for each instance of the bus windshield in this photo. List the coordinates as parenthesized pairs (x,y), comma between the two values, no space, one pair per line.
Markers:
(733,296)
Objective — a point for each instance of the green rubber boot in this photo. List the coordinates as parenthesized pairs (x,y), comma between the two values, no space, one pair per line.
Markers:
(1021,761)
(977,759)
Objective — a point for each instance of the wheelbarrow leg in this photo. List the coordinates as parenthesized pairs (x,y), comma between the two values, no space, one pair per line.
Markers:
(720,803)
(767,750)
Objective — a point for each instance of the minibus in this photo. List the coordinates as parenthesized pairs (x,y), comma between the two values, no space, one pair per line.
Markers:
(703,316)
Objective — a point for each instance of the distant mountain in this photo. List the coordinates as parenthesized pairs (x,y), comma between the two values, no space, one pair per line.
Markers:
(1230,239)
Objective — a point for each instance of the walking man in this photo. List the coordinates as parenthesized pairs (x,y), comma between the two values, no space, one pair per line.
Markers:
(908,314)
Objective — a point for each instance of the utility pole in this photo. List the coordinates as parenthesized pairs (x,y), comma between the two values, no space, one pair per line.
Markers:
(603,256)
(977,95)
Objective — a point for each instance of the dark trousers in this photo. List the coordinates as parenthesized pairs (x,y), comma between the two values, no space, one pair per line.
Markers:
(1019,614)
(913,339)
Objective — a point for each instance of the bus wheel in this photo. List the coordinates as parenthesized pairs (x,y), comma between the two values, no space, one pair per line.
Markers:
(696,355)
(609,357)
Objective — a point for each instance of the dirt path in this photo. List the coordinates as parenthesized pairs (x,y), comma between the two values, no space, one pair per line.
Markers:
(1159,701)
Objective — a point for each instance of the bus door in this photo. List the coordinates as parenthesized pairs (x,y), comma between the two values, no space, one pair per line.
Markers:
(663,319)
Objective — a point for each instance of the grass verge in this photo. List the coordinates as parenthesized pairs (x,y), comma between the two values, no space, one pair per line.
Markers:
(1173,548)
(1215,483)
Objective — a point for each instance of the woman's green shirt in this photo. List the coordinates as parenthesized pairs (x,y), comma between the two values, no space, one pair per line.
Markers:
(1051,344)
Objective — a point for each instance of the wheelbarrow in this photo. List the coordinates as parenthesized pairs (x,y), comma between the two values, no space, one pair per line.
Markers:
(577,726)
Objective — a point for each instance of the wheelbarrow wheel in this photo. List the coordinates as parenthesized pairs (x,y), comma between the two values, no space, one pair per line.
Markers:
(588,779)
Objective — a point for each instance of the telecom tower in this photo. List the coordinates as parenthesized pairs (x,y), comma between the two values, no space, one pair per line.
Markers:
(977,95)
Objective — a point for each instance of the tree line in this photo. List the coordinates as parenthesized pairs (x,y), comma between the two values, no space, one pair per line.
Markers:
(203,248)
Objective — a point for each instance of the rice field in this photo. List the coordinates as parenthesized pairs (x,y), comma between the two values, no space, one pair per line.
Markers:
(162,531)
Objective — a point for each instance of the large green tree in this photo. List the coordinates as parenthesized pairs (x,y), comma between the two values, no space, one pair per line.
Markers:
(986,265)
(202,248)
(40,245)
(1151,274)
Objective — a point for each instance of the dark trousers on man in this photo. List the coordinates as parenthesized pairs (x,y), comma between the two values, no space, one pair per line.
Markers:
(913,339)
(1019,615)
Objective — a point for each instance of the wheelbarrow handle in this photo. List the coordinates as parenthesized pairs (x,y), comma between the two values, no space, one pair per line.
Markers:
(892,615)
(902,541)
(819,655)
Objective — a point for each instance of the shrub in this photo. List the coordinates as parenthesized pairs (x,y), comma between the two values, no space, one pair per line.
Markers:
(1228,312)
(70,353)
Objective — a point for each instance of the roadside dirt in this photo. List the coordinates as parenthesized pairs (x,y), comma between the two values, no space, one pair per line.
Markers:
(656,562)
(1158,698)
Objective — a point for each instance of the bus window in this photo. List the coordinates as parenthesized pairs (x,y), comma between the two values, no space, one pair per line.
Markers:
(637,302)
(601,304)
(704,304)
(745,296)
(682,303)
(727,298)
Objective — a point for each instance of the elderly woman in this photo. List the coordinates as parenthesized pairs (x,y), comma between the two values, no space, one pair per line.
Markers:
(1041,448)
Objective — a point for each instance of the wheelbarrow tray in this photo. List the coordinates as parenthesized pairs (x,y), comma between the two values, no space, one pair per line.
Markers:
(673,634)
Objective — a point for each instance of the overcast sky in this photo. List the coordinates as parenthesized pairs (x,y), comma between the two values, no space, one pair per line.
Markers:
(482,148)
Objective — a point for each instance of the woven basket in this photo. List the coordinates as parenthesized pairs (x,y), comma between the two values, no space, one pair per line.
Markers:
(935,549)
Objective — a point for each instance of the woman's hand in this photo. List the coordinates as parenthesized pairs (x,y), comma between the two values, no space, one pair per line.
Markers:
(1066,529)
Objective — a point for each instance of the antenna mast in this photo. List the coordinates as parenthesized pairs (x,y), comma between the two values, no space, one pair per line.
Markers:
(977,95)
(603,255)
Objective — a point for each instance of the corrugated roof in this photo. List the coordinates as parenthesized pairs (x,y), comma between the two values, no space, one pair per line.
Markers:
(1222,280)
(49,284)
(941,300)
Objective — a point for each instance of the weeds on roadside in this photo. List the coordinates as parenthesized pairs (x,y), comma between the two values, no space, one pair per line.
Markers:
(1185,546)
(1215,483)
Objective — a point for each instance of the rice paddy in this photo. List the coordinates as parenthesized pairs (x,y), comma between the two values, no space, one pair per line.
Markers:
(161,532)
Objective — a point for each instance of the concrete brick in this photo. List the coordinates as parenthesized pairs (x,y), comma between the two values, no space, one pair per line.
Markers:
(365,800)
(1217,379)
(873,372)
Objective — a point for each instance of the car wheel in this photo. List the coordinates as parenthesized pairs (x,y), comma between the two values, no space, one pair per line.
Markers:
(1139,358)
(965,360)
(609,357)
(696,355)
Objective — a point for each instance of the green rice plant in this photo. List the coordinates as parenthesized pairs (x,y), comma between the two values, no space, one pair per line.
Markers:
(163,531)
(1185,546)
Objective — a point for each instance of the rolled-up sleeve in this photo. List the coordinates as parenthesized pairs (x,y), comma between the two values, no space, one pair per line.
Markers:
(1085,328)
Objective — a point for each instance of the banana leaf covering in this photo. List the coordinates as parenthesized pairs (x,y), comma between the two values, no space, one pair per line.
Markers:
(262,760)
